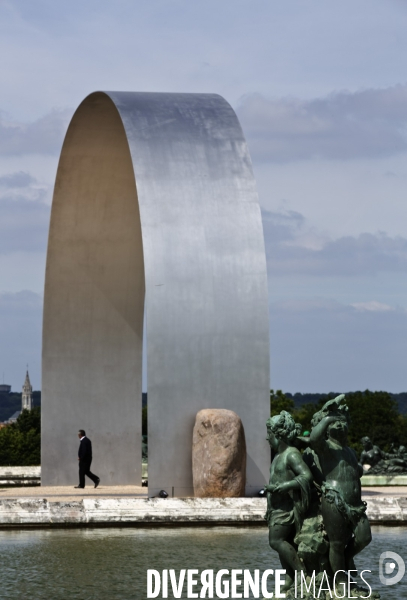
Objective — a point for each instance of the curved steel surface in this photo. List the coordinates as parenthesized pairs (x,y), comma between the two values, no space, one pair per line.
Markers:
(153,190)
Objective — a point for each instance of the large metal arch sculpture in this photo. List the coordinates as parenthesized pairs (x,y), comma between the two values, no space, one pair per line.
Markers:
(154,200)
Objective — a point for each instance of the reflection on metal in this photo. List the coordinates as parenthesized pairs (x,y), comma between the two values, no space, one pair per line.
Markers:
(154,199)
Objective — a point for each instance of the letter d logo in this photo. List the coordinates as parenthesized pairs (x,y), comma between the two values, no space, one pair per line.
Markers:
(388,568)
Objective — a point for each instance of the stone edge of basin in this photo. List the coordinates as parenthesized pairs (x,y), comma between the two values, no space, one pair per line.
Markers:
(20,476)
(383,480)
(40,512)
(10,476)
(20,472)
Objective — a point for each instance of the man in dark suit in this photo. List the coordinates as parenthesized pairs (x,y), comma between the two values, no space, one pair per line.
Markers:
(85,460)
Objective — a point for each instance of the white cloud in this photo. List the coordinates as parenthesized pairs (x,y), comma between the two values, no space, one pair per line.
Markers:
(16,180)
(292,247)
(43,136)
(322,346)
(373,305)
(20,333)
(24,215)
(343,125)
(57,53)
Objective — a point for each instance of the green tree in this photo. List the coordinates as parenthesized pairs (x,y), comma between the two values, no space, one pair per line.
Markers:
(144,429)
(20,442)
(30,419)
(304,413)
(374,414)
(402,429)
(279,401)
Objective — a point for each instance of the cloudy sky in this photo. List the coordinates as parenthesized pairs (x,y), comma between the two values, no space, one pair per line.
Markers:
(321,92)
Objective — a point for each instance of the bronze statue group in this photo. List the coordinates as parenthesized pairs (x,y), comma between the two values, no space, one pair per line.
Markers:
(317,519)
(377,462)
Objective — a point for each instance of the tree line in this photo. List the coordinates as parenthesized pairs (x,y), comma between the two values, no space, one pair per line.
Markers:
(11,402)
(20,442)
(375,414)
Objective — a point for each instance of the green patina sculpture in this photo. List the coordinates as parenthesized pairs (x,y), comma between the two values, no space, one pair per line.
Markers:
(342,509)
(144,449)
(288,493)
(377,462)
(315,512)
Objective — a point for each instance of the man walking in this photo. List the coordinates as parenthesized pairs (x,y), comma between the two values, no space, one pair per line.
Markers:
(85,460)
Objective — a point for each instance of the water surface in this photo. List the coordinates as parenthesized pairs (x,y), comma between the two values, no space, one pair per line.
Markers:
(111,564)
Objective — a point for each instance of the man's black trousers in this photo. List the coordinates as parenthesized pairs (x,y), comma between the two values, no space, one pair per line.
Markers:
(84,469)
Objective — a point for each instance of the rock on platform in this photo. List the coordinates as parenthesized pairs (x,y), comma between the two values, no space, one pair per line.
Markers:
(218,454)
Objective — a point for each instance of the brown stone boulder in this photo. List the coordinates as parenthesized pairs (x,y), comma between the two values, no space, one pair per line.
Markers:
(218,454)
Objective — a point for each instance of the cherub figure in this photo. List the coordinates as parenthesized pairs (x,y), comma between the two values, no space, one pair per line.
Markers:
(342,509)
(381,462)
(288,492)
(371,455)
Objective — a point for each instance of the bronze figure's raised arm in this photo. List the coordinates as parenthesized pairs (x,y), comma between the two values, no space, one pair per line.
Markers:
(342,508)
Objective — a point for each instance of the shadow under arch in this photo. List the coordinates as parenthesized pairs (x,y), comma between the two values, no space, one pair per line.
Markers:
(154,199)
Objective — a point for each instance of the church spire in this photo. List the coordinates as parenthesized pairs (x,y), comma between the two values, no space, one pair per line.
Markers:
(27,395)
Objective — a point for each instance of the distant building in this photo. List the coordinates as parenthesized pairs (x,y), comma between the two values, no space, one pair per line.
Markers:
(5,389)
(13,417)
(26,399)
(27,396)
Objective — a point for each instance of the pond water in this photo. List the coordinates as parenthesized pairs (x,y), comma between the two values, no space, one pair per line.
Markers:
(110,564)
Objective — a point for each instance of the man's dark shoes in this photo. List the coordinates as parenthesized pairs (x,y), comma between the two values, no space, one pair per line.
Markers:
(97,482)
(79,487)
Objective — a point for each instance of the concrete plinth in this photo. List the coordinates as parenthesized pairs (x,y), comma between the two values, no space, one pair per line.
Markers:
(129,505)
(18,476)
